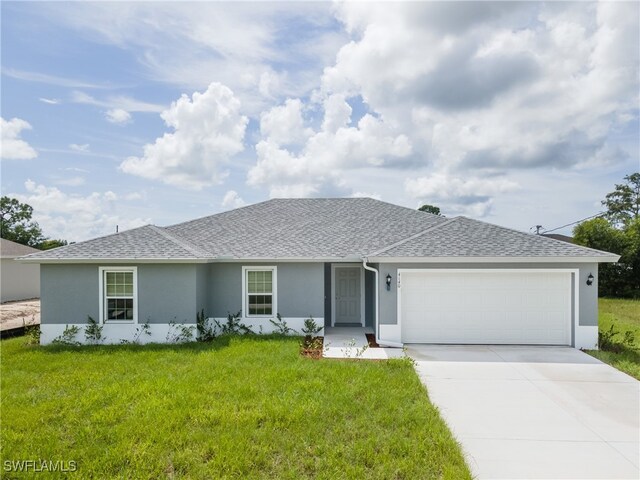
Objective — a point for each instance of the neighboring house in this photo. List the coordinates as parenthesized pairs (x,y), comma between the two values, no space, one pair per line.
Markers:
(558,236)
(18,281)
(411,276)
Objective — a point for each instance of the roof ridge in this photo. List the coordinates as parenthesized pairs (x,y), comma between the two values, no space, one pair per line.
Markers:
(411,237)
(546,239)
(218,213)
(179,241)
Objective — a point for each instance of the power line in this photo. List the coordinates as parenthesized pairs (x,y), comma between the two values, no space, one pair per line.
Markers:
(573,223)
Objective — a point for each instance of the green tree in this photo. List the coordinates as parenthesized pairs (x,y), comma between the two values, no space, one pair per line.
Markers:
(623,204)
(430,209)
(16,225)
(617,232)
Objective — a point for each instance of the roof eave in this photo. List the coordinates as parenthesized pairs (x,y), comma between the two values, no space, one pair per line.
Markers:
(561,259)
(110,260)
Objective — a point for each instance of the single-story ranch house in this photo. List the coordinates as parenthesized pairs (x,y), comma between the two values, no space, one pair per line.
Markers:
(410,276)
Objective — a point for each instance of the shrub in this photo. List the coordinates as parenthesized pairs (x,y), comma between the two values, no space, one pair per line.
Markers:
(68,336)
(93,331)
(206,333)
(280,326)
(233,325)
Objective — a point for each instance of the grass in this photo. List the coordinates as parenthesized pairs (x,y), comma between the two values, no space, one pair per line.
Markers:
(238,407)
(623,315)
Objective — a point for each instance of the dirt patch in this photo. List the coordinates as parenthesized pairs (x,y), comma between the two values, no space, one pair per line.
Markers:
(371,338)
(19,313)
(312,347)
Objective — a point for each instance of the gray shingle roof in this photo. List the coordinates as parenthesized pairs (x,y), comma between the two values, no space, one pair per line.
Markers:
(148,242)
(336,228)
(464,237)
(305,228)
(9,249)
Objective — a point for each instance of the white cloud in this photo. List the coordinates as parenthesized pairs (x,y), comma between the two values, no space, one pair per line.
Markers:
(208,130)
(328,154)
(118,116)
(233,200)
(50,79)
(71,182)
(50,101)
(123,102)
(471,196)
(76,217)
(246,46)
(12,147)
(493,88)
(284,124)
(79,148)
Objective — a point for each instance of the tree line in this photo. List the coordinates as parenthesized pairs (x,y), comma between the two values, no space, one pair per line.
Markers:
(16,224)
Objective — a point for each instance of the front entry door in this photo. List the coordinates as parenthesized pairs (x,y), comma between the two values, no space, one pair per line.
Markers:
(347,295)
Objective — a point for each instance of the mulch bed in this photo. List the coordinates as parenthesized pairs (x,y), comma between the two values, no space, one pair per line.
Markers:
(312,348)
(371,338)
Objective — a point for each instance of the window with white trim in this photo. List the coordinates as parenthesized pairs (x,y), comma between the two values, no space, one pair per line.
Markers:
(259,291)
(118,294)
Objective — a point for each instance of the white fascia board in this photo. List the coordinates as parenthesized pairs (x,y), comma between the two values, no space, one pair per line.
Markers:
(110,261)
(611,259)
(357,260)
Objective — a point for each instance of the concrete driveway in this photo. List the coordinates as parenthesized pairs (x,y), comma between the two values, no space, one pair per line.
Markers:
(535,412)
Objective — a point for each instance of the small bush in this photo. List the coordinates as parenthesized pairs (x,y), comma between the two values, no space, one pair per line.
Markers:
(179,332)
(311,328)
(280,326)
(233,325)
(206,333)
(68,336)
(93,331)
(32,333)
(608,340)
(144,329)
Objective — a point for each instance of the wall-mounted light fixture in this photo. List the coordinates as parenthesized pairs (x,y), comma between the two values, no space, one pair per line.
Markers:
(590,279)
(388,282)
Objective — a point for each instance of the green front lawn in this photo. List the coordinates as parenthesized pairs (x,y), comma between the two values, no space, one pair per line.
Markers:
(235,408)
(623,315)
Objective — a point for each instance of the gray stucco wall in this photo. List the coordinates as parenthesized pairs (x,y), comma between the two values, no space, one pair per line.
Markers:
(588,295)
(165,292)
(19,281)
(202,288)
(300,289)
(68,293)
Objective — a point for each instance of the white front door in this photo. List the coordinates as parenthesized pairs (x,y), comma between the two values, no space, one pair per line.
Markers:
(348,295)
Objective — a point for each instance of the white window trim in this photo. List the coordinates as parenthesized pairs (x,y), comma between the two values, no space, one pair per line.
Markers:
(274,292)
(102,271)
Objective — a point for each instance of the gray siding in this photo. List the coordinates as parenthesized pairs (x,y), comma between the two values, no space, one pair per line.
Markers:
(19,281)
(300,289)
(588,295)
(202,289)
(165,292)
(68,293)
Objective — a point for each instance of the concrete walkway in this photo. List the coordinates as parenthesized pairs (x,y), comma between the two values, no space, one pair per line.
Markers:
(535,412)
(351,342)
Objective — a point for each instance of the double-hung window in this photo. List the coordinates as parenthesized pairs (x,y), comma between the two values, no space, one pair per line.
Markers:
(118,294)
(259,291)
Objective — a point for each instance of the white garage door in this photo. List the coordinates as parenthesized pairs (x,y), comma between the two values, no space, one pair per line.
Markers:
(485,307)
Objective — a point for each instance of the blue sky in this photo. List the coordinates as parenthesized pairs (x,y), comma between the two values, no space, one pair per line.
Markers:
(133,113)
